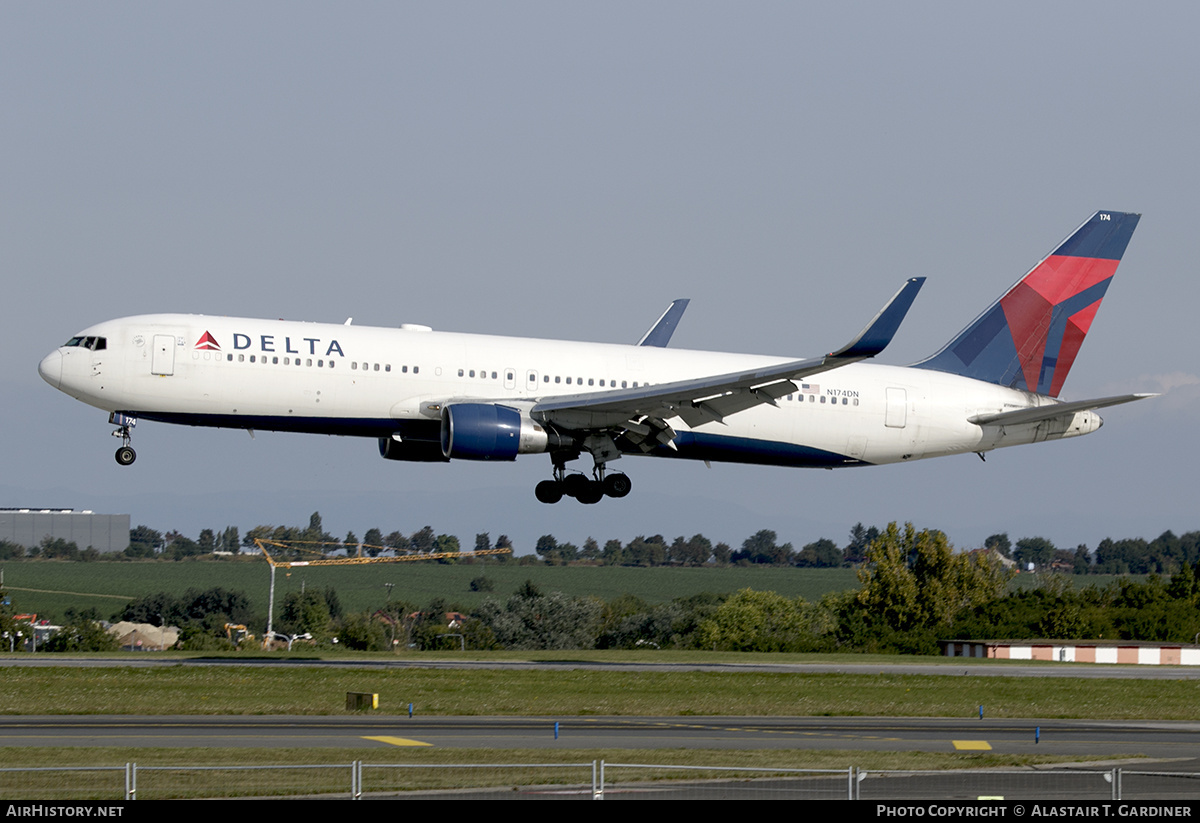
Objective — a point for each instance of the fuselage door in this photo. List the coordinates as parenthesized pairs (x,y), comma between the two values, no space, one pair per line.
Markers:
(162,355)
(897,409)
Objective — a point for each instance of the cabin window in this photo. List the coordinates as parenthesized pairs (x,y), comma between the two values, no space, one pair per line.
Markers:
(416,369)
(568,381)
(557,379)
(404,369)
(376,367)
(387,367)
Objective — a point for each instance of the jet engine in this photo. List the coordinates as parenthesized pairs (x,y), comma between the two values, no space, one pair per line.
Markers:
(414,451)
(485,431)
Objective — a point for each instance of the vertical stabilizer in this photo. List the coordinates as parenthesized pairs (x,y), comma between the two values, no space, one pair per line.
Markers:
(1029,338)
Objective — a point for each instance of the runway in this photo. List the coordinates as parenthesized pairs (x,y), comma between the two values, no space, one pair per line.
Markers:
(1075,738)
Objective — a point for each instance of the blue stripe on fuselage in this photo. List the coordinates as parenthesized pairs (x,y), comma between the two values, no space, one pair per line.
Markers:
(691,445)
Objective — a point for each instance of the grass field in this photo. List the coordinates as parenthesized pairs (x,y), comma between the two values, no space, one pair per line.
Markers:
(313,690)
(49,588)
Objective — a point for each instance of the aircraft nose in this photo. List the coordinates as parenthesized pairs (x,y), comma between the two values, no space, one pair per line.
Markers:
(51,368)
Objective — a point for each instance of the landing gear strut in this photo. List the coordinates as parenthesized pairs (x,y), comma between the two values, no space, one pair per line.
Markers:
(578,485)
(125,455)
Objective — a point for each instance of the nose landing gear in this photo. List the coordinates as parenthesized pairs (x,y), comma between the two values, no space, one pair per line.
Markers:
(125,455)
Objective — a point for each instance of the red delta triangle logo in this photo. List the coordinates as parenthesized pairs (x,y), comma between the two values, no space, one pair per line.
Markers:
(207,342)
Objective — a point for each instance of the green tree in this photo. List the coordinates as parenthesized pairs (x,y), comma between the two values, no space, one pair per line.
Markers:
(144,542)
(82,632)
(999,543)
(553,621)
(761,548)
(822,553)
(306,611)
(915,583)
(446,544)
(1036,550)
(754,621)
(422,540)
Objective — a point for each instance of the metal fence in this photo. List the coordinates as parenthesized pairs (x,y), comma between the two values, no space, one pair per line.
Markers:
(592,780)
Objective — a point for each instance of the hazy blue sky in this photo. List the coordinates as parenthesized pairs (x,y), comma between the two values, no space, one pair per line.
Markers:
(565,170)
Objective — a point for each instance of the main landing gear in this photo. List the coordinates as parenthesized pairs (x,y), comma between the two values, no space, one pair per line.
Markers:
(580,486)
(125,455)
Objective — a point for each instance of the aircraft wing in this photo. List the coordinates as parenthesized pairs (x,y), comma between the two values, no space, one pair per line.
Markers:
(642,411)
(1052,410)
(660,333)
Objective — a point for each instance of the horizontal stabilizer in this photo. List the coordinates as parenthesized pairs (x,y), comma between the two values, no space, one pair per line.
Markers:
(1052,410)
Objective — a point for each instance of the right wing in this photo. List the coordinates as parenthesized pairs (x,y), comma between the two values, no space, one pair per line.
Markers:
(642,411)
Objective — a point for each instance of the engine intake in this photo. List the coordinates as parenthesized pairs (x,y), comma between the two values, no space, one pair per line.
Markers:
(485,431)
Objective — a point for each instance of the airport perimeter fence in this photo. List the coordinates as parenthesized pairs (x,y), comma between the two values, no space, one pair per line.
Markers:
(593,780)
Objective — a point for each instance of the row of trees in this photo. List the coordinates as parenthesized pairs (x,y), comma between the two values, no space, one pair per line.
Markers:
(1163,555)
(914,590)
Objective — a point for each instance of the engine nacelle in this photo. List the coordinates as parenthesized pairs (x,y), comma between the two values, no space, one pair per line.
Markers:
(484,431)
(415,451)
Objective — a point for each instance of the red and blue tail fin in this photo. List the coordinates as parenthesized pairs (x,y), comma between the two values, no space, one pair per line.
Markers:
(1029,338)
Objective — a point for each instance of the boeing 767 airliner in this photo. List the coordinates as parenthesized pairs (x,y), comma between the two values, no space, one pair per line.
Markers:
(440,396)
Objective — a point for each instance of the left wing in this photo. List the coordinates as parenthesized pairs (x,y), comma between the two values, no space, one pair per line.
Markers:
(642,412)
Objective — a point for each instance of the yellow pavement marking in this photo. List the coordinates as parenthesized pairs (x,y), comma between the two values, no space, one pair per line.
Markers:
(398,741)
(971,745)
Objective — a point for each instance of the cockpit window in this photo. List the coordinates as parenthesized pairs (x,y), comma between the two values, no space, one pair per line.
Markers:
(93,343)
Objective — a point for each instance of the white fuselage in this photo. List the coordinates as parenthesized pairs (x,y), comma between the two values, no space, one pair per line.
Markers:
(380,382)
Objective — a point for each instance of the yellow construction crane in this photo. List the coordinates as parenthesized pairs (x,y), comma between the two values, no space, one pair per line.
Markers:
(299,549)
(318,550)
